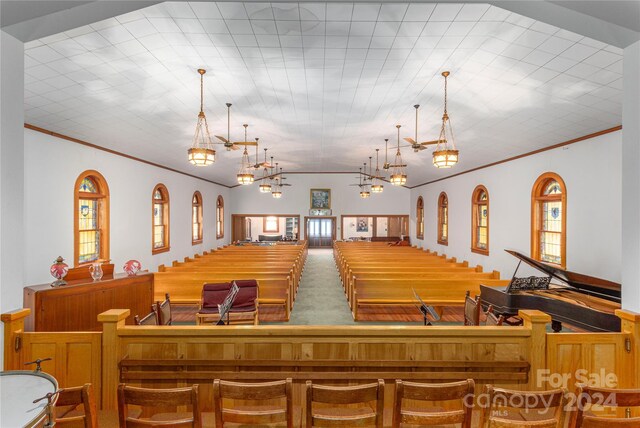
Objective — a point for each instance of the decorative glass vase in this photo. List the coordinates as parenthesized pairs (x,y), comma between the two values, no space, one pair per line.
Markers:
(96,271)
(132,267)
(59,270)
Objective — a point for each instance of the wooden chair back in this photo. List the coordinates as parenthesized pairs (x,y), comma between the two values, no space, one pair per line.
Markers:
(150,319)
(492,319)
(462,391)
(253,391)
(342,395)
(159,399)
(471,310)
(625,398)
(506,408)
(164,311)
(67,408)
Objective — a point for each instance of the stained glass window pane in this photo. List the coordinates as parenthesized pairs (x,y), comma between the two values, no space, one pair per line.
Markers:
(88,186)
(157,194)
(444,223)
(158,236)
(194,200)
(552,216)
(482,196)
(553,188)
(158,214)
(551,234)
(196,223)
(88,233)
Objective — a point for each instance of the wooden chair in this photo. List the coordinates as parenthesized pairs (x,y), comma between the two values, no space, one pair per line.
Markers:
(150,319)
(506,408)
(164,311)
(492,319)
(160,399)
(253,391)
(610,398)
(67,407)
(462,391)
(471,310)
(342,395)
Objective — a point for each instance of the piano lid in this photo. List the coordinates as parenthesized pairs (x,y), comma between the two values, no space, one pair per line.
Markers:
(587,284)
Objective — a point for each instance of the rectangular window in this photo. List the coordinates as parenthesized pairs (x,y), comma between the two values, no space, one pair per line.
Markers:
(88,230)
(482,227)
(196,224)
(158,226)
(551,232)
(270,224)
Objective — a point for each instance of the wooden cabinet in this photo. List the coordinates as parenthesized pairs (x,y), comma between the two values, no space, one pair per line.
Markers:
(75,307)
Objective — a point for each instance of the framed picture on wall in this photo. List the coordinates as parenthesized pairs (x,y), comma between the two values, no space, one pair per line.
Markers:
(320,212)
(320,198)
(362,224)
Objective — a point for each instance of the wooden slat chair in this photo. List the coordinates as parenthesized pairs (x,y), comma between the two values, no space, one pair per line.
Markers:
(158,399)
(76,407)
(344,395)
(164,311)
(258,415)
(620,398)
(462,391)
(471,310)
(506,408)
(492,319)
(150,319)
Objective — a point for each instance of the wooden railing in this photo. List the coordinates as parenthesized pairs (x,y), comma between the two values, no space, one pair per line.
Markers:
(525,357)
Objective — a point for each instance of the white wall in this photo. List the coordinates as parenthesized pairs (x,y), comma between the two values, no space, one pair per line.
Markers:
(52,166)
(591,172)
(11,173)
(345,199)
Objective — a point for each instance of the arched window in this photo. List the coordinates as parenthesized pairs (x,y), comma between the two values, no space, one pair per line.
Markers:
(160,215)
(220,218)
(91,218)
(480,221)
(443,219)
(549,219)
(420,218)
(196,218)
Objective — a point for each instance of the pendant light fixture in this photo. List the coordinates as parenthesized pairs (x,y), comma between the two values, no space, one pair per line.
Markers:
(245,173)
(445,155)
(276,191)
(398,174)
(364,190)
(376,184)
(265,186)
(386,151)
(201,152)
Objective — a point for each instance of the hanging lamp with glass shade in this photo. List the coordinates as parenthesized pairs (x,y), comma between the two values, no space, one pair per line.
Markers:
(364,189)
(398,174)
(265,186)
(245,173)
(445,155)
(201,152)
(376,184)
(276,191)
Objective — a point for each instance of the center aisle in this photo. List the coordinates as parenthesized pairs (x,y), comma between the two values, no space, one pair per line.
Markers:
(320,299)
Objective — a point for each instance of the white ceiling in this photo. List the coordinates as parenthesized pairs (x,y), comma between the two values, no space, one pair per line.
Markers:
(321,84)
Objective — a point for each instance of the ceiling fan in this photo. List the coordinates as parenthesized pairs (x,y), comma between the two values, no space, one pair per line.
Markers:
(264,164)
(360,184)
(414,143)
(236,144)
(278,177)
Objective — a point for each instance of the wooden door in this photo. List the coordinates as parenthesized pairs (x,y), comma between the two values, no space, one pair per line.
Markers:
(238,230)
(320,232)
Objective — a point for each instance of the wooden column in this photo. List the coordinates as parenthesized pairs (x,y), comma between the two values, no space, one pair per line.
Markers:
(111,320)
(631,324)
(536,321)
(13,328)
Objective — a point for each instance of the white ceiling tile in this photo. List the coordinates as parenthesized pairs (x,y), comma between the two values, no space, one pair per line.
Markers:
(106,23)
(522,21)
(449,42)
(392,12)
(205,10)
(582,70)
(544,28)
(531,39)
(593,43)
(339,11)
(435,28)
(269,41)
(239,26)
(313,28)
(445,12)
(495,14)
(616,67)
(365,12)
(179,39)
(217,26)
(179,10)
(140,28)
(162,25)
(312,11)
(459,28)
(337,28)
(222,40)
(474,42)
(566,34)
(419,12)
(472,12)
(538,57)
(245,40)
(602,59)
(288,28)
(359,42)
(560,64)
(410,29)
(516,52)
(336,41)
(232,10)
(313,41)
(44,54)
(381,42)
(189,25)
(387,28)
(286,11)
(67,48)
(362,28)
(71,33)
(603,77)
(555,45)
(129,48)
(578,52)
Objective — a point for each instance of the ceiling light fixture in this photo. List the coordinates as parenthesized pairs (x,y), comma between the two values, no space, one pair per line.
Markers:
(277,189)
(445,155)
(364,189)
(398,174)
(376,184)
(201,152)
(265,186)
(245,173)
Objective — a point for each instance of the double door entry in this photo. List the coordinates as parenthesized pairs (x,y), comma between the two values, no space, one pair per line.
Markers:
(320,232)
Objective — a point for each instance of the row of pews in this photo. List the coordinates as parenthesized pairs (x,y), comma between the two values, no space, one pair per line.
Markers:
(374,273)
(277,268)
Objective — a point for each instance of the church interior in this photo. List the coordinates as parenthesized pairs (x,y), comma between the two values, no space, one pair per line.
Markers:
(320,213)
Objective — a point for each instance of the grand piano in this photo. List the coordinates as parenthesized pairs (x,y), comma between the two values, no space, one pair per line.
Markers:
(583,301)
